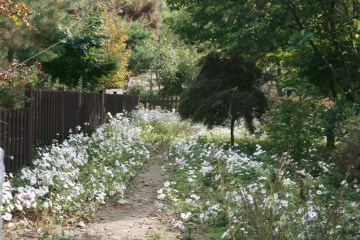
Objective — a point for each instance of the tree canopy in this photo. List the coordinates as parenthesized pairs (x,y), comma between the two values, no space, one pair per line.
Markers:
(318,41)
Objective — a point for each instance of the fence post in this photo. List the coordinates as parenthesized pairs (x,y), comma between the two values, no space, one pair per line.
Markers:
(115,103)
(62,114)
(2,176)
(30,124)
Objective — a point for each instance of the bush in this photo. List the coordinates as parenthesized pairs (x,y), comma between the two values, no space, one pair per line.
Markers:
(12,97)
(294,127)
(347,154)
(13,81)
(141,91)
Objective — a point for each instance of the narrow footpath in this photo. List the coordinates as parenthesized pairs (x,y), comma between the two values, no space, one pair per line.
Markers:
(138,219)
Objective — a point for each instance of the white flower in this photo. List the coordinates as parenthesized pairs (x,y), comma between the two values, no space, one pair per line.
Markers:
(190,180)
(344,183)
(7,216)
(312,214)
(161,196)
(179,224)
(185,216)
(284,203)
(194,196)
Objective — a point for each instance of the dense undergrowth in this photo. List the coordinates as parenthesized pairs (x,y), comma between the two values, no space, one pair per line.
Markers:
(254,192)
(251,191)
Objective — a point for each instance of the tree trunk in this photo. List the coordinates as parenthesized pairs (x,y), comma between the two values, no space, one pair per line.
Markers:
(232,132)
(330,138)
(10,55)
(151,81)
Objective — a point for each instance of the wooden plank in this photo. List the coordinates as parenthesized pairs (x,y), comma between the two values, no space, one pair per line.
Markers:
(30,107)
(17,154)
(7,139)
(22,142)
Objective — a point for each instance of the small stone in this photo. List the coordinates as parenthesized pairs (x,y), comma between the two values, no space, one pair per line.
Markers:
(81,224)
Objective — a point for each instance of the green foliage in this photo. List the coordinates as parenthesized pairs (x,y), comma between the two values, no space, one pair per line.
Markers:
(160,54)
(333,118)
(319,39)
(294,127)
(49,21)
(83,45)
(256,195)
(141,91)
(347,153)
(81,57)
(142,58)
(226,89)
(12,97)
(13,80)
(178,70)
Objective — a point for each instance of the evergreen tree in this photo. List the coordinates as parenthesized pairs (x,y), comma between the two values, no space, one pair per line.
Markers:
(81,60)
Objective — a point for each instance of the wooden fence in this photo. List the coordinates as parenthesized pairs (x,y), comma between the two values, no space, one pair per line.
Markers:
(50,115)
(116,103)
(168,103)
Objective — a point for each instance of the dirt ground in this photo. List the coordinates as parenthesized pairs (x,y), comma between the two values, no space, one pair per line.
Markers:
(138,219)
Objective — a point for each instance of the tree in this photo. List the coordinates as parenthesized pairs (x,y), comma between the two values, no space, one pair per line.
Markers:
(50,21)
(185,69)
(266,31)
(115,48)
(81,59)
(227,89)
(316,41)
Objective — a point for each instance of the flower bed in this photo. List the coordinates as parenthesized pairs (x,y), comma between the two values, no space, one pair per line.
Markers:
(228,194)
(243,193)
(70,180)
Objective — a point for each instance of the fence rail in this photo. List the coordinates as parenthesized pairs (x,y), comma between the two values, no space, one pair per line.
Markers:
(50,115)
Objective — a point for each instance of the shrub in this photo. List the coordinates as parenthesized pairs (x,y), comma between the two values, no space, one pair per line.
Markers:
(294,127)
(347,153)
(13,80)
(214,188)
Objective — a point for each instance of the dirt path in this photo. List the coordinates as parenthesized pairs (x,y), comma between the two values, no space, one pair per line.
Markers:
(137,219)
